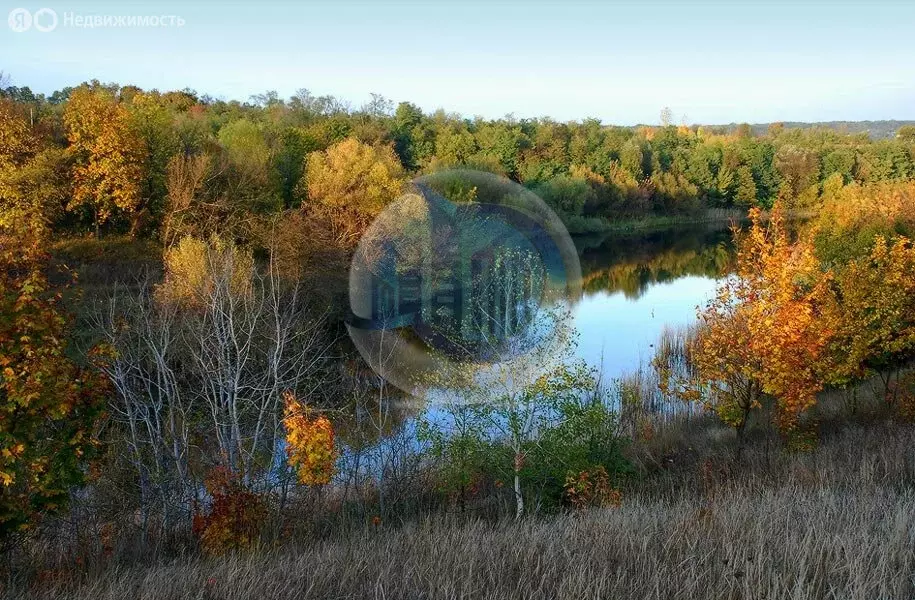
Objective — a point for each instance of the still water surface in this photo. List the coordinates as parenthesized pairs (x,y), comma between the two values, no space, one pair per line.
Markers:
(633,287)
(636,285)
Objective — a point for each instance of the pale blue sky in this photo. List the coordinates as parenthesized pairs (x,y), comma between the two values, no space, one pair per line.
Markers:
(715,62)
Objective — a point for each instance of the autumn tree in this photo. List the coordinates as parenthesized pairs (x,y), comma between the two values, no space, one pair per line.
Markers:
(853,215)
(37,191)
(17,142)
(235,516)
(349,184)
(48,404)
(17,145)
(35,182)
(725,375)
(206,354)
(194,268)
(152,121)
(182,214)
(108,152)
(763,333)
(309,442)
(873,313)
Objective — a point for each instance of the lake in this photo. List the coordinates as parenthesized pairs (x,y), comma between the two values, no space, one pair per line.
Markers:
(636,284)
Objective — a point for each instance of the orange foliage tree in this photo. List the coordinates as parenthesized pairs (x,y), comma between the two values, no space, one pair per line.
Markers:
(591,487)
(48,404)
(766,331)
(309,443)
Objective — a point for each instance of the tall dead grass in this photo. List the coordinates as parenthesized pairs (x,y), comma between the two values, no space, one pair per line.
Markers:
(835,523)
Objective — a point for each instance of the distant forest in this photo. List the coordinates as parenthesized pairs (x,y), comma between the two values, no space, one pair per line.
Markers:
(876,130)
(108,158)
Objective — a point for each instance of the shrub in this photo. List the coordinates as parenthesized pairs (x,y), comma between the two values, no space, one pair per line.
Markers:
(234,518)
(904,392)
(309,443)
(591,487)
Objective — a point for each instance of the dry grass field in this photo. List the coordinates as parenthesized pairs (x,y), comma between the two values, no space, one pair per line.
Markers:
(835,523)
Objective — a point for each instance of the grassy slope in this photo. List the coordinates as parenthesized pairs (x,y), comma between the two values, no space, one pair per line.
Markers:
(835,523)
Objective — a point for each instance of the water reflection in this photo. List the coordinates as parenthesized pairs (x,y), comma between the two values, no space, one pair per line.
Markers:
(636,285)
(632,264)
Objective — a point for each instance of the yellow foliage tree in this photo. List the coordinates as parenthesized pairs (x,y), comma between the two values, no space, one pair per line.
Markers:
(849,208)
(17,146)
(350,183)
(309,443)
(16,140)
(193,269)
(109,154)
(873,311)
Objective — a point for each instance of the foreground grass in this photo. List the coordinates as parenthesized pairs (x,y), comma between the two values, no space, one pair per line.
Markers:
(835,523)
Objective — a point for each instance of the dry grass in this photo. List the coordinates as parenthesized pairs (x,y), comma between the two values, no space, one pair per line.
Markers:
(836,523)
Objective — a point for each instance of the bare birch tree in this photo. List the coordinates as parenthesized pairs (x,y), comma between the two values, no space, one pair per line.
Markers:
(200,365)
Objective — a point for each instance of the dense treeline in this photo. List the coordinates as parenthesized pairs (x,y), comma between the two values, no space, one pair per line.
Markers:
(112,158)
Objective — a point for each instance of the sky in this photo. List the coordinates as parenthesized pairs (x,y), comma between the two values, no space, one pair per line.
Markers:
(710,62)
